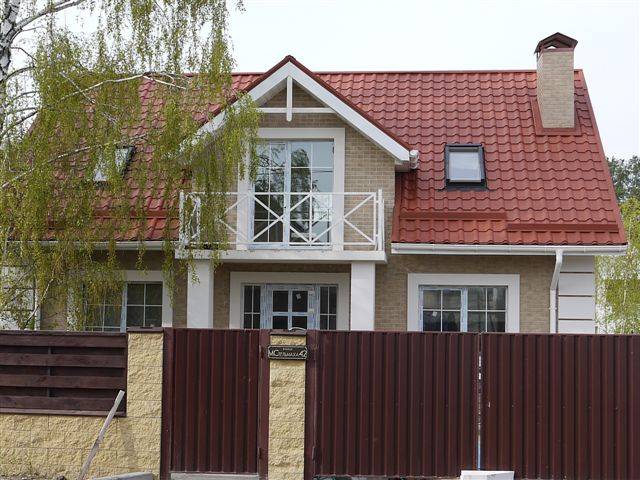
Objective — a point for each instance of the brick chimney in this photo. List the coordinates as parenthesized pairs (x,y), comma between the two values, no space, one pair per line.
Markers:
(555,81)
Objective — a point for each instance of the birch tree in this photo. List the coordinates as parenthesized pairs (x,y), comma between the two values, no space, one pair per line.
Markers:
(71,77)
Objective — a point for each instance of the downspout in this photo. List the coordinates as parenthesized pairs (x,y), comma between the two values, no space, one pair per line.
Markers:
(553,307)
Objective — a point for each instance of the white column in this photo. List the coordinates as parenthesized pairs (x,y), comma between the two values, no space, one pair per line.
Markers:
(200,295)
(363,295)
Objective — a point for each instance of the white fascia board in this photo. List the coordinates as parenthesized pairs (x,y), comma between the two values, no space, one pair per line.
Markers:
(276,80)
(446,249)
(288,256)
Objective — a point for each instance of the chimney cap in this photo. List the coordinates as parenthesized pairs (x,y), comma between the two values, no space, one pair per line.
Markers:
(557,40)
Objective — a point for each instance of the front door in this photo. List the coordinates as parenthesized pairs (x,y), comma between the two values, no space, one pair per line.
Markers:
(290,307)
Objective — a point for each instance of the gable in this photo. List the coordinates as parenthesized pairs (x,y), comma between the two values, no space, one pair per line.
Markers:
(289,72)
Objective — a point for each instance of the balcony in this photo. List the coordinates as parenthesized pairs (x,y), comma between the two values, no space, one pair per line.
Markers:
(278,220)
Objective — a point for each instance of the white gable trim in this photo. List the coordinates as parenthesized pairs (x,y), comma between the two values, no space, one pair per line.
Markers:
(278,79)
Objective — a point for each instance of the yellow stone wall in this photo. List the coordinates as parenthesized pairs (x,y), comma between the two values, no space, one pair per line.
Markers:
(58,444)
(286,414)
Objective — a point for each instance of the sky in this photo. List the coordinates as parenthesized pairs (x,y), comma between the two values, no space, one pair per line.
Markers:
(455,35)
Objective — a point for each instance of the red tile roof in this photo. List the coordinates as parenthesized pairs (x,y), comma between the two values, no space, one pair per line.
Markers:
(543,187)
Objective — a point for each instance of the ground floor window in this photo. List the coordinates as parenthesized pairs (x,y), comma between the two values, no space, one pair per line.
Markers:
(139,305)
(463,309)
(290,307)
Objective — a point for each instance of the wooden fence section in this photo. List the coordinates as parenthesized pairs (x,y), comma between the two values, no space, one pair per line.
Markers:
(61,372)
(210,401)
(561,406)
(391,404)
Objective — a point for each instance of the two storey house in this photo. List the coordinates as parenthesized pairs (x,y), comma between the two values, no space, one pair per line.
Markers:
(435,201)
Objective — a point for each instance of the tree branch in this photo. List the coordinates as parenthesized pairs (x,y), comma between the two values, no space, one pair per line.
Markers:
(54,7)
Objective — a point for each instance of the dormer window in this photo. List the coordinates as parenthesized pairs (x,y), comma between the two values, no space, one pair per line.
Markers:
(122,157)
(464,164)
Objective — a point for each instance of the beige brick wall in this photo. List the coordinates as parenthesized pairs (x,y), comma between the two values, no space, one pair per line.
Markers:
(555,88)
(51,445)
(286,414)
(535,278)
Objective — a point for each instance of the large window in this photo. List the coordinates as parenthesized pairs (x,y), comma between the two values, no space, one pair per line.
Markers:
(463,309)
(287,307)
(293,204)
(139,305)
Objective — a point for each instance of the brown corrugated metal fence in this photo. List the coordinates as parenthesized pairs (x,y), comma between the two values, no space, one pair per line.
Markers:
(405,404)
(211,401)
(391,404)
(561,406)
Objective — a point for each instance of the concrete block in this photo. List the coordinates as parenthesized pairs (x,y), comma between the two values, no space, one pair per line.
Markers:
(486,475)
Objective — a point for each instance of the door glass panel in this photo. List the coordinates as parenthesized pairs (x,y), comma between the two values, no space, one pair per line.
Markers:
(280,322)
(280,300)
(299,301)
(299,322)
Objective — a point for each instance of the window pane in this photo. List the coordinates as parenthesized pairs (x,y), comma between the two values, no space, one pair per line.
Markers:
(322,181)
(451,299)
(248,298)
(450,321)
(299,301)
(135,316)
(256,320)
(275,233)
(280,301)
(248,321)
(154,294)
(324,300)
(256,299)
(323,155)
(280,322)
(135,294)
(276,181)
(464,165)
(299,321)
(496,298)
(153,316)
(300,180)
(477,299)
(278,155)
(300,153)
(112,316)
(431,321)
(431,299)
(476,322)
(496,321)
(333,301)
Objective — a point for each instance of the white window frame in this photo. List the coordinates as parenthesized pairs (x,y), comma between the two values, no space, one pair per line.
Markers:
(416,280)
(239,279)
(337,135)
(139,276)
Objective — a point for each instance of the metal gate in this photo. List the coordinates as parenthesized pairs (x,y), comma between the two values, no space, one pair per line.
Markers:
(212,402)
(391,404)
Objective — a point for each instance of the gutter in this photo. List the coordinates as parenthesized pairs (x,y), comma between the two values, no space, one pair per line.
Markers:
(125,245)
(466,249)
(553,290)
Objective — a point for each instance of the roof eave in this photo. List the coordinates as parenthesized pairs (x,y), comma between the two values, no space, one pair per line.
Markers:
(473,249)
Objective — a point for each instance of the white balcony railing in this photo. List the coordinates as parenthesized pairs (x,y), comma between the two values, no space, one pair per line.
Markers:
(330,220)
